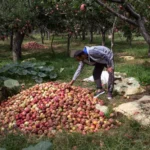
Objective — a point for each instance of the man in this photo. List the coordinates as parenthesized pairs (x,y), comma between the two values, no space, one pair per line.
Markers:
(99,57)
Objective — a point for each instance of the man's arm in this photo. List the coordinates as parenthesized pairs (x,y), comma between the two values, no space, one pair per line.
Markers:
(77,73)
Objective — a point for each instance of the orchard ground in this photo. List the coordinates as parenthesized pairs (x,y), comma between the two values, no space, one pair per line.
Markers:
(130,135)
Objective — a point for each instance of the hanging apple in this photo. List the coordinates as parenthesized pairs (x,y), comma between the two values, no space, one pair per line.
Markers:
(83,7)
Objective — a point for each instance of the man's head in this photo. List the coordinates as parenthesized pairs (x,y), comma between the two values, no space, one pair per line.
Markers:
(80,55)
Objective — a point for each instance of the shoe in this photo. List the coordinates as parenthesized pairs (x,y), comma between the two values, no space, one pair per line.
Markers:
(98,93)
(109,96)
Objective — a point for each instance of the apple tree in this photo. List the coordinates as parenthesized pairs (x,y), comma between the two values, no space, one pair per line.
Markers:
(92,17)
(17,19)
(99,19)
(138,14)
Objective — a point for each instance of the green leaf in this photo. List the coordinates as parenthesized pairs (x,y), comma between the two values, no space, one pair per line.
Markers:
(19,71)
(24,72)
(3,78)
(53,76)
(42,68)
(2,70)
(32,72)
(10,72)
(41,63)
(50,68)
(46,69)
(14,70)
(27,65)
(41,74)
(38,80)
(61,70)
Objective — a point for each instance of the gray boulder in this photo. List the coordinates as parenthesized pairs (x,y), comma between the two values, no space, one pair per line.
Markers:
(138,110)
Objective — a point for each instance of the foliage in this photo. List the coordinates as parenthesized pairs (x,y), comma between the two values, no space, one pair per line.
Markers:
(127,33)
(37,71)
(17,16)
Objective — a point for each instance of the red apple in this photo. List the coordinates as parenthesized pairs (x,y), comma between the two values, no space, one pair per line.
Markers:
(83,7)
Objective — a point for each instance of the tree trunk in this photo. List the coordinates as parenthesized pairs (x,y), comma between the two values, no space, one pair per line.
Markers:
(48,35)
(29,3)
(103,37)
(91,34)
(52,44)
(42,36)
(76,35)
(17,42)
(149,50)
(68,45)
(113,33)
(83,33)
(11,39)
(144,32)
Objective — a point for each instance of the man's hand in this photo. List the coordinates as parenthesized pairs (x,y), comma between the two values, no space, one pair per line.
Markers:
(110,69)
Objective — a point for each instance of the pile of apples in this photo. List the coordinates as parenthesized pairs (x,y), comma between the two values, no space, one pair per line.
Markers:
(33,45)
(52,107)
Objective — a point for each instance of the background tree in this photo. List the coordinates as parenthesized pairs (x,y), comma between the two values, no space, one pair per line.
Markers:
(17,18)
(137,15)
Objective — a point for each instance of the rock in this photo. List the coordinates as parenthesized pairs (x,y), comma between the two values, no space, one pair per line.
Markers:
(10,88)
(119,75)
(123,85)
(103,108)
(127,58)
(138,110)
(2,148)
(128,86)
(11,83)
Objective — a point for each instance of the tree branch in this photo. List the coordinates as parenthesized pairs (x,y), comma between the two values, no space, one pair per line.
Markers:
(129,8)
(118,1)
(116,14)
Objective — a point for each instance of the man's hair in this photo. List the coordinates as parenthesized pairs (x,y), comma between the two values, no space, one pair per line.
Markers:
(78,53)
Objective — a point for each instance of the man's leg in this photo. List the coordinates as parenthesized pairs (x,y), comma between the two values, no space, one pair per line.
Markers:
(110,84)
(97,78)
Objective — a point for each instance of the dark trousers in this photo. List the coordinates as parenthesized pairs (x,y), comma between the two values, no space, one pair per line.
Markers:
(97,77)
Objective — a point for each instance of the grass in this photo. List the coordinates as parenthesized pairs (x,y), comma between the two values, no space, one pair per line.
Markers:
(130,136)
(14,142)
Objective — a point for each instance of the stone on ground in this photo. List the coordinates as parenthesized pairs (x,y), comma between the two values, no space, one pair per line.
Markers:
(123,85)
(138,110)
(2,148)
(102,108)
(128,58)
